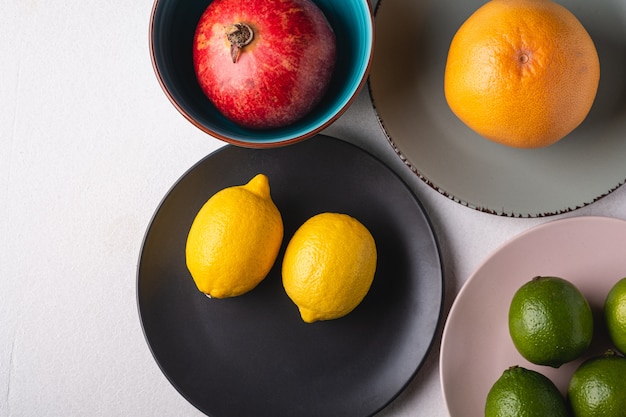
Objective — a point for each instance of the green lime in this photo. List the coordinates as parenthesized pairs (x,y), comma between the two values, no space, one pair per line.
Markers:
(598,387)
(550,321)
(522,392)
(615,315)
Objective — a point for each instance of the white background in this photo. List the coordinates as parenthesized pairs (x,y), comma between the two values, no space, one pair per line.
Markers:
(89,145)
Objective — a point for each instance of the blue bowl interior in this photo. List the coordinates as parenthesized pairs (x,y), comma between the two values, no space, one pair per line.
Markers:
(173,26)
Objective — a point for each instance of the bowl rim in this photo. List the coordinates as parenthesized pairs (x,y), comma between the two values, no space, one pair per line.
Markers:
(271,143)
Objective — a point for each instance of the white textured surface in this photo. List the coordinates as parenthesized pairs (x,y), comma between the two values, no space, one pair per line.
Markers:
(88,147)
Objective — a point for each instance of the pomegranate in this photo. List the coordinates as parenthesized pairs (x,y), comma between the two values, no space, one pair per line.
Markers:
(264,63)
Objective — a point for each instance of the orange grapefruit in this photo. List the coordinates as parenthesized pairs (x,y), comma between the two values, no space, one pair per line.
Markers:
(523,73)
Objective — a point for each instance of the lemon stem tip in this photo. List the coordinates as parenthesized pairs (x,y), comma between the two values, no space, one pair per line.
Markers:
(259,185)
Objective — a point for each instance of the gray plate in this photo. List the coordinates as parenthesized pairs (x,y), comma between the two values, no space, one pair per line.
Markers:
(406,85)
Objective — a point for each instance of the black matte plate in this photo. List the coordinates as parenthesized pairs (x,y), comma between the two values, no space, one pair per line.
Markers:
(252,355)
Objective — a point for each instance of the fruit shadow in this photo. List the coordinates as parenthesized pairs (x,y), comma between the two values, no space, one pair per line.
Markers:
(610,101)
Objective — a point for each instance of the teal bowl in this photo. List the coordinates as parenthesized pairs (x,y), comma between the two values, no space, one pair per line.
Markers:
(172,27)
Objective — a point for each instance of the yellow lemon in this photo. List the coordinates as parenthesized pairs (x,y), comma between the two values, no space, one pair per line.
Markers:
(329,266)
(234,239)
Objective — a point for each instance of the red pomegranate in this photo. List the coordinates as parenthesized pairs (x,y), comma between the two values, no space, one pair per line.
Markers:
(264,63)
